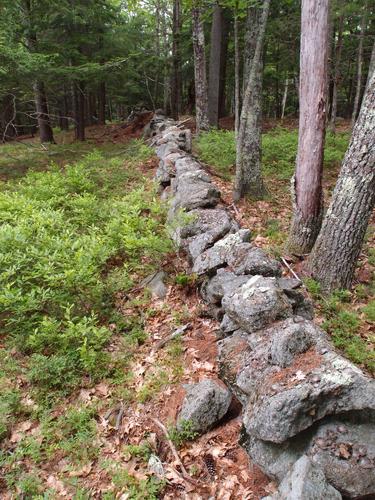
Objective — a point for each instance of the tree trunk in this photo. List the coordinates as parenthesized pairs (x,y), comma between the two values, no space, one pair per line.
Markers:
(79,111)
(336,74)
(307,191)
(334,257)
(236,74)
(371,68)
(248,179)
(42,115)
(285,97)
(201,98)
(214,67)
(359,66)
(101,103)
(176,73)
(223,67)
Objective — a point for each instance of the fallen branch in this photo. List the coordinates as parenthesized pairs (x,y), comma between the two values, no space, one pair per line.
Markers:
(291,270)
(176,333)
(184,472)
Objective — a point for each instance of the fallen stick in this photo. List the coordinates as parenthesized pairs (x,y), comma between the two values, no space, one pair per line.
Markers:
(184,472)
(176,333)
(291,270)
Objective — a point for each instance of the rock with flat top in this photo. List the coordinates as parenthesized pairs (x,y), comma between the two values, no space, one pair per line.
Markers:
(204,405)
(247,259)
(223,283)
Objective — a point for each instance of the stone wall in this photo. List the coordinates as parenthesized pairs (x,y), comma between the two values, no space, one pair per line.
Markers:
(305,407)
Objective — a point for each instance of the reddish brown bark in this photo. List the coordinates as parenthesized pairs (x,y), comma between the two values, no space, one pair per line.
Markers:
(307,182)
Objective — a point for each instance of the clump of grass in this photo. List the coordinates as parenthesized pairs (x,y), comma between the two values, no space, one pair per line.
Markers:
(185,433)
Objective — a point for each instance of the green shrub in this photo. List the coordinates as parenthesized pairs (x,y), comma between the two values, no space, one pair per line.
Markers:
(218,148)
(60,230)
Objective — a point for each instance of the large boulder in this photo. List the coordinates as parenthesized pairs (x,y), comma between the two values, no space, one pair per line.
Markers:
(194,190)
(257,304)
(204,405)
(305,481)
(343,448)
(317,385)
(217,256)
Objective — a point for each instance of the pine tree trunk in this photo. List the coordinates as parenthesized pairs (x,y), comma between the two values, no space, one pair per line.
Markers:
(223,67)
(79,111)
(176,74)
(307,191)
(248,179)
(359,66)
(334,257)
(236,75)
(285,96)
(214,66)
(42,115)
(371,68)
(101,103)
(201,97)
(336,75)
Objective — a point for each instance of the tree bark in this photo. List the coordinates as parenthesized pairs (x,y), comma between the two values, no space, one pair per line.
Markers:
(214,66)
(334,257)
(42,115)
(201,96)
(371,68)
(307,191)
(176,51)
(79,111)
(223,67)
(101,103)
(359,65)
(285,97)
(336,74)
(236,74)
(248,179)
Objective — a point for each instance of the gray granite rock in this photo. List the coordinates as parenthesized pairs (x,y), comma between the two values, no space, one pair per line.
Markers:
(332,386)
(194,191)
(305,481)
(223,283)
(247,259)
(257,304)
(204,405)
(218,254)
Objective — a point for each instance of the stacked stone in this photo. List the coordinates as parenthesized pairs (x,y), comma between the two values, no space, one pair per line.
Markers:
(305,407)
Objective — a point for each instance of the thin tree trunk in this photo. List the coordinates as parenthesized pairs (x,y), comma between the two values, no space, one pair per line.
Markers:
(336,75)
(334,257)
(236,74)
(101,103)
(42,115)
(248,179)
(307,191)
(176,74)
(285,97)
(201,96)
(359,65)
(371,68)
(223,67)
(79,111)
(214,66)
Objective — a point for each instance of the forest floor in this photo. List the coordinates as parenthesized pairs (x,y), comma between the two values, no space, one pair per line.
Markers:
(92,435)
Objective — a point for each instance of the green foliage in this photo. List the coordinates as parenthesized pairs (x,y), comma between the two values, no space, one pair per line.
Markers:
(10,407)
(313,287)
(60,232)
(217,148)
(180,436)
(369,311)
(279,150)
(142,451)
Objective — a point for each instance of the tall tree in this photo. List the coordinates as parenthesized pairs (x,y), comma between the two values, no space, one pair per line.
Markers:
(307,182)
(336,71)
(216,61)
(359,64)
(248,180)
(201,95)
(176,71)
(334,257)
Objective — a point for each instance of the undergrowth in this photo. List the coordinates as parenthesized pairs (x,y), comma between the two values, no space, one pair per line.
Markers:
(279,149)
(344,323)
